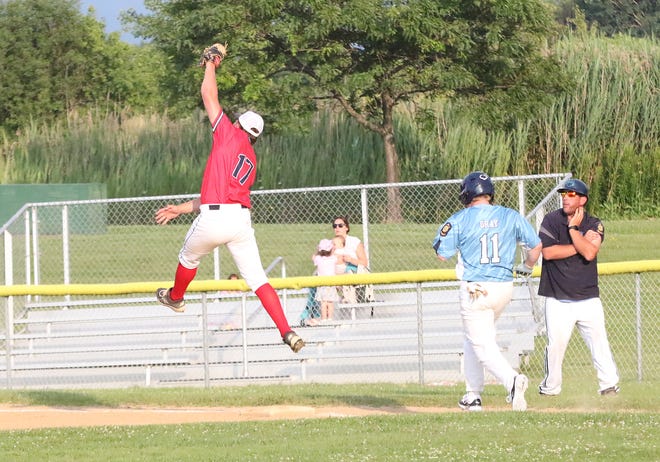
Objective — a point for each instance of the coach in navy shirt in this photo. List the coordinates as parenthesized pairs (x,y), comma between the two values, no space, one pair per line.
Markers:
(571,240)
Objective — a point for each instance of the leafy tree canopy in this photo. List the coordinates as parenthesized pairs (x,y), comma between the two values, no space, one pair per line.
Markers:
(639,18)
(286,56)
(54,60)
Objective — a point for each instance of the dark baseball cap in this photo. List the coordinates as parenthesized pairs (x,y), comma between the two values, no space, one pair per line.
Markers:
(575,185)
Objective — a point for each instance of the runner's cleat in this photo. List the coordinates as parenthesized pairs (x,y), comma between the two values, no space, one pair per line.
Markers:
(517,396)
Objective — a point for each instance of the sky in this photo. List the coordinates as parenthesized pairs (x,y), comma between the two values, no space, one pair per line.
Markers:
(108,12)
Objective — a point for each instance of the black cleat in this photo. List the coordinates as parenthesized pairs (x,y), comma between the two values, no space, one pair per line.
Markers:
(474,405)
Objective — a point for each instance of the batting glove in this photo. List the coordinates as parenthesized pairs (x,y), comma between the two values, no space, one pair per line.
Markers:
(523,270)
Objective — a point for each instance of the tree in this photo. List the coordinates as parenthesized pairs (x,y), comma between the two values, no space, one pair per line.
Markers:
(54,60)
(39,67)
(367,56)
(638,18)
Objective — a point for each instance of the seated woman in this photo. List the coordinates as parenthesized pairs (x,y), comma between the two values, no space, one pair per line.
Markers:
(354,257)
(353,253)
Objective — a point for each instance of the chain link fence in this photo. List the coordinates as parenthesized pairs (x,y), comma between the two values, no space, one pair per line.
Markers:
(115,241)
(411,332)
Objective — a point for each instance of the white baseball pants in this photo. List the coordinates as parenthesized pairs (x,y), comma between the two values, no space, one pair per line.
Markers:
(588,316)
(231,225)
(479,314)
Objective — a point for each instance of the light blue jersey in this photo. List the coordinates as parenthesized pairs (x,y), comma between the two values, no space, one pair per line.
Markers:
(487,237)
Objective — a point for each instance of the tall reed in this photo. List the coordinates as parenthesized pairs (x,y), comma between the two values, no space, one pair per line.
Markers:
(605,132)
(335,150)
(140,155)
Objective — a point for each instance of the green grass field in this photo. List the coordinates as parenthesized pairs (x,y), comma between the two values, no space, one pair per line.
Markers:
(578,425)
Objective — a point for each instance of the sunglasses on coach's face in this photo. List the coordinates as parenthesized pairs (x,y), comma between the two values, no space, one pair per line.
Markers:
(569,193)
(338,225)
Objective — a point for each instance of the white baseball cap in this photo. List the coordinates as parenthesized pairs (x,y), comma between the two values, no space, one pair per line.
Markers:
(251,123)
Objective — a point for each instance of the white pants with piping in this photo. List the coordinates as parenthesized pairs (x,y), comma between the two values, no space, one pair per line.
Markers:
(479,312)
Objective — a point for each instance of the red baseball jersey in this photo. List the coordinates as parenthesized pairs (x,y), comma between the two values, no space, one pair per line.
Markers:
(231,167)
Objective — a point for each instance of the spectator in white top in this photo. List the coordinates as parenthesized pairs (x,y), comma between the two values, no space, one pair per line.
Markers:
(354,253)
(355,259)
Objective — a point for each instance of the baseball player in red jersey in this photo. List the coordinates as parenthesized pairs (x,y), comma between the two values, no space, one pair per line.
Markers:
(224,209)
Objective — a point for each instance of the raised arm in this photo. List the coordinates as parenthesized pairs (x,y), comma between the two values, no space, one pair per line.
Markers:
(209,89)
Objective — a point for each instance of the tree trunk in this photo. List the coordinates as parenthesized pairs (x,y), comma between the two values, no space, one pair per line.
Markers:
(391,163)
(386,131)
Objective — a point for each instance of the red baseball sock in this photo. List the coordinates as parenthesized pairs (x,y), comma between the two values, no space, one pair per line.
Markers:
(271,303)
(182,279)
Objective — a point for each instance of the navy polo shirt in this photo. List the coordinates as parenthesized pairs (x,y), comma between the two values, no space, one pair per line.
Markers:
(572,278)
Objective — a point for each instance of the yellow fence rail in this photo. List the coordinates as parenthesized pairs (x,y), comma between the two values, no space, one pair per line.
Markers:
(640,266)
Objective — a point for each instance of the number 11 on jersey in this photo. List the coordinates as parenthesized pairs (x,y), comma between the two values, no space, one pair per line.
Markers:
(486,257)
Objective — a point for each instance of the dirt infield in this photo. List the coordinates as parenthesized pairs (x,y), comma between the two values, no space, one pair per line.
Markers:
(32,417)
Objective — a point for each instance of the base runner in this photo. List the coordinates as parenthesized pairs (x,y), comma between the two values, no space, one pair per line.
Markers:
(487,237)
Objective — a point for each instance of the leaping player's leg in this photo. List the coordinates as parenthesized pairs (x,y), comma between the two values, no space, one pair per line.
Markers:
(182,279)
(196,245)
(273,307)
(246,256)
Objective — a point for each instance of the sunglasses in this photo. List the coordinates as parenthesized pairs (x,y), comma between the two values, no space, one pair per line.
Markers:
(569,193)
(338,225)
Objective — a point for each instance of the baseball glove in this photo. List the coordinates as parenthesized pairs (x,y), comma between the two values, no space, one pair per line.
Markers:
(209,54)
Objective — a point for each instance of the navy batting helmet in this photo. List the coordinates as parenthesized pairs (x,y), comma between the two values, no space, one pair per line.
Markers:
(476,184)
(575,185)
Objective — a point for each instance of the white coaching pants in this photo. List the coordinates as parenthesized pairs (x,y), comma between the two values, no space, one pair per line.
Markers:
(230,226)
(480,347)
(588,316)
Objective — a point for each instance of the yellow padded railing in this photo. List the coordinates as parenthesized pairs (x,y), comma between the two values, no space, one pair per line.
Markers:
(641,266)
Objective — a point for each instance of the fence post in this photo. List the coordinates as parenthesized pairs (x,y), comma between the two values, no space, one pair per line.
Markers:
(9,260)
(216,263)
(365,222)
(9,312)
(244,329)
(521,197)
(284,291)
(35,246)
(420,333)
(66,257)
(205,339)
(28,256)
(638,324)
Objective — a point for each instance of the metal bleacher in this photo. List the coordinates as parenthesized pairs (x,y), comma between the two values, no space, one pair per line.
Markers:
(136,342)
